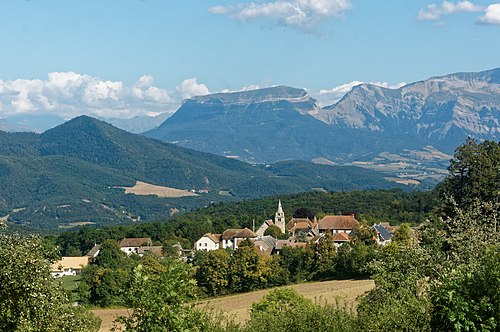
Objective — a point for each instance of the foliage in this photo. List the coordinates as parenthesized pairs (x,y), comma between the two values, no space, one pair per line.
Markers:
(285,310)
(353,258)
(161,294)
(248,270)
(298,261)
(325,256)
(212,271)
(274,231)
(474,174)
(447,281)
(30,299)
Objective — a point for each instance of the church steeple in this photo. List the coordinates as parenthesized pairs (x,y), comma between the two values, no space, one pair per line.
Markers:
(279,218)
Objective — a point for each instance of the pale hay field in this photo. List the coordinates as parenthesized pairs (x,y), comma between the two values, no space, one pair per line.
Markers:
(143,188)
(237,306)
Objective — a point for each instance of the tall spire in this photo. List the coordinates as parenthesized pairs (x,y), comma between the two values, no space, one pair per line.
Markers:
(280,209)
(279,218)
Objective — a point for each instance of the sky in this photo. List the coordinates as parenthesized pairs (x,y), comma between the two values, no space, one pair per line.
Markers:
(122,58)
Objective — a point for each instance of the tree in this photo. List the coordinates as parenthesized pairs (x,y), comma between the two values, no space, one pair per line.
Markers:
(286,310)
(212,271)
(274,231)
(325,257)
(30,299)
(474,174)
(161,295)
(247,270)
(449,281)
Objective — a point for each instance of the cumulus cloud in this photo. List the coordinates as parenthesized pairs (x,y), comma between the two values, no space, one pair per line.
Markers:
(300,14)
(435,12)
(190,87)
(491,15)
(330,96)
(69,94)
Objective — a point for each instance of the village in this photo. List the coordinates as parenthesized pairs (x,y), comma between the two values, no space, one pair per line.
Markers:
(298,232)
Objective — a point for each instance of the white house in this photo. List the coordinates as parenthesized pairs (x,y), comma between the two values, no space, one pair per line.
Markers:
(383,236)
(231,238)
(337,224)
(208,242)
(131,245)
(69,266)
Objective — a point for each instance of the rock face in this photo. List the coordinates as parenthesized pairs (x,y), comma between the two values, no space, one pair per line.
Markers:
(262,125)
(443,110)
(278,123)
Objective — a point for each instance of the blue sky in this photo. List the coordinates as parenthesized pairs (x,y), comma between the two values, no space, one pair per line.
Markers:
(142,57)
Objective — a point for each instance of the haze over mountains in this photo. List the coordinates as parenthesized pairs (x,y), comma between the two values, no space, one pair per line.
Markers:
(76,172)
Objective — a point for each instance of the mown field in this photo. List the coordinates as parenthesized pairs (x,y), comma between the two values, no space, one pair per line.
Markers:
(237,306)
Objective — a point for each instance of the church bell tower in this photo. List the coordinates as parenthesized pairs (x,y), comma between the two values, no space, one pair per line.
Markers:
(279,218)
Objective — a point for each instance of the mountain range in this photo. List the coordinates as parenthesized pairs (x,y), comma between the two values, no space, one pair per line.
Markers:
(418,125)
(76,173)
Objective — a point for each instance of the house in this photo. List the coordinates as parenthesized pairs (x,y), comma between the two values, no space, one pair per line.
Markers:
(383,235)
(337,224)
(131,245)
(208,242)
(69,266)
(340,238)
(185,254)
(303,225)
(92,254)
(232,237)
(155,250)
(265,244)
(280,244)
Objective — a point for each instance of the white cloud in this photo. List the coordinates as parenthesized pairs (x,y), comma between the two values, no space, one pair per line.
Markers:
(69,94)
(491,15)
(245,88)
(301,14)
(190,87)
(435,12)
(330,96)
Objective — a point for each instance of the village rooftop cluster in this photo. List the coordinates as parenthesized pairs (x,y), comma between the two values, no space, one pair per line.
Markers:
(300,232)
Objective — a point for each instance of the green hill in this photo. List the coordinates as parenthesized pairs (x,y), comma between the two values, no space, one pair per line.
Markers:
(73,173)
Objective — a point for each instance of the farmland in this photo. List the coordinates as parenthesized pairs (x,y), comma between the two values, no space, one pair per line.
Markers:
(237,306)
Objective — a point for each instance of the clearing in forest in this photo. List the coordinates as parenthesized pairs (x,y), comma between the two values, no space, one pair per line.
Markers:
(143,188)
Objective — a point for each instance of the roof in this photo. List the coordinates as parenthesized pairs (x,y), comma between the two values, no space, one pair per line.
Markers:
(135,242)
(382,232)
(280,244)
(294,221)
(340,237)
(94,251)
(155,250)
(70,263)
(338,222)
(269,240)
(214,237)
(301,225)
(239,233)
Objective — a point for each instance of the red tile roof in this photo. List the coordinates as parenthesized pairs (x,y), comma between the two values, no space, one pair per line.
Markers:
(239,233)
(338,222)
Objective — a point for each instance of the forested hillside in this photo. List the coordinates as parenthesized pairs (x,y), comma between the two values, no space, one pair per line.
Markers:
(76,172)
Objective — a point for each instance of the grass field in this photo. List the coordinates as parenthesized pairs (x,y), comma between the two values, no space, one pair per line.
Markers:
(237,306)
(70,283)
